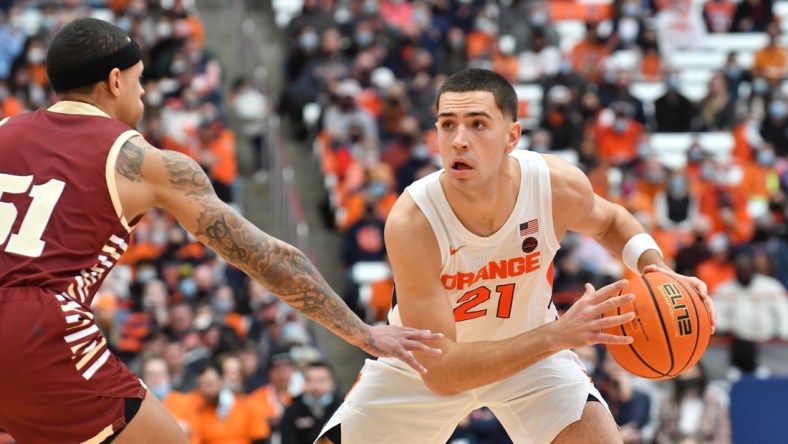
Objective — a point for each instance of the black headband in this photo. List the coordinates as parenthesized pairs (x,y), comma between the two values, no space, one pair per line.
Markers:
(97,70)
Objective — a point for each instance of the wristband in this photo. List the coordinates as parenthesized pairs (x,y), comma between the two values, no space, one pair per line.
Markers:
(635,247)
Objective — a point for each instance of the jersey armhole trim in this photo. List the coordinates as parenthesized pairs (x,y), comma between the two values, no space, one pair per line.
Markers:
(4,120)
(112,185)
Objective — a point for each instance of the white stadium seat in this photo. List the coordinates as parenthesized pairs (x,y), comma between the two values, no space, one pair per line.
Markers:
(682,60)
(671,148)
(748,41)
(647,91)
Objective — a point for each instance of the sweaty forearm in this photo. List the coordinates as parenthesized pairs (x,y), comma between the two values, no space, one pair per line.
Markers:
(468,365)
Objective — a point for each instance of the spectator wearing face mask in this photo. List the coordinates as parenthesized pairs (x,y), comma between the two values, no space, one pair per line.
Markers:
(723,202)
(560,120)
(540,60)
(718,15)
(717,110)
(307,414)
(752,308)
(589,55)
(223,417)
(617,141)
(673,111)
(344,113)
(760,181)
(676,209)
(628,24)
(718,268)
(694,411)
(770,61)
(774,128)
(753,16)
(156,376)
(734,74)
(679,27)
(504,58)
(452,56)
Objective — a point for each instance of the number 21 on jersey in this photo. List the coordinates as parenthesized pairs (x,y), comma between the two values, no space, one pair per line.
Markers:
(465,311)
(27,242)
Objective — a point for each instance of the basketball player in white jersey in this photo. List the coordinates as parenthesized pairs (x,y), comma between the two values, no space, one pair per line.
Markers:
(471,248)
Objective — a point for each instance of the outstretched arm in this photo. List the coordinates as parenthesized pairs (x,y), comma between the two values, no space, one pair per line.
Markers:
(150,177)
(609,224)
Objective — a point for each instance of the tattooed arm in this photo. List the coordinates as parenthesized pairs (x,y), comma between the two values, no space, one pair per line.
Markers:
(169,180)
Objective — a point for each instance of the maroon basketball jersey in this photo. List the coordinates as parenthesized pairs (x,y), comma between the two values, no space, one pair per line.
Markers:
(61,226)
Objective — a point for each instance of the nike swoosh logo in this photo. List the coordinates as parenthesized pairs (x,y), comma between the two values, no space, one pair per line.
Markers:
(453,251)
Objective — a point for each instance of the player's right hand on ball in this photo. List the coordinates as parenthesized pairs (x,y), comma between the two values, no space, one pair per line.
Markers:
(582,324)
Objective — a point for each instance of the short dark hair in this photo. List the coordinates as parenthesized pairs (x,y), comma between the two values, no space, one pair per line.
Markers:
(82,41)
(483,80)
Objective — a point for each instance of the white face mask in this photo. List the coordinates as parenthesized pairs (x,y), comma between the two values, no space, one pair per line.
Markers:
(36,55)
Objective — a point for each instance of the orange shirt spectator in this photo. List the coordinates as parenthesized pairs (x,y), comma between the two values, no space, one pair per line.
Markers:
(760,181)
(771,62)
(223,162)
(589,55)
(617,143)
(10,106)
(270,401)
(718,15)
(238,427)
(223,417)
(725,207)
(506,65)
(714,272)
(651,65)
(182,407)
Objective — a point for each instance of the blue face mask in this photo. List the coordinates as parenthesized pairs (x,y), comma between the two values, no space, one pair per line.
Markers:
(160,391)
(620,125)
(364,39)
(188,288)
(777,110)
(677,185)
(309,41)
(765,158)
(321,401)
(378,189)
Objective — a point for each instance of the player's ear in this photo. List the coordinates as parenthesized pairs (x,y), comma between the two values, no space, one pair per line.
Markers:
(114,82)
(513,136)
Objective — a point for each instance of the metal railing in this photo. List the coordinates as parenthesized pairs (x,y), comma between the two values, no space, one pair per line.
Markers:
(288,218)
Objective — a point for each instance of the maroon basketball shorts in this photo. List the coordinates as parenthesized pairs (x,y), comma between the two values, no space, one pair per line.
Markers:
(58,381)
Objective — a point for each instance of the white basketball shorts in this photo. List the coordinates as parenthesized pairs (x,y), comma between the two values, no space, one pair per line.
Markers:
(391,404)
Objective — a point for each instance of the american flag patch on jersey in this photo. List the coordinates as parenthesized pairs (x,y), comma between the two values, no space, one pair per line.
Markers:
(530,227)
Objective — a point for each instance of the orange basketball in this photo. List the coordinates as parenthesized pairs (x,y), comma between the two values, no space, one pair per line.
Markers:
(671,328)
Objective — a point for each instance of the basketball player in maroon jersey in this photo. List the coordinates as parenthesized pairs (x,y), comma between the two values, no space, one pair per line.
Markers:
(74,181)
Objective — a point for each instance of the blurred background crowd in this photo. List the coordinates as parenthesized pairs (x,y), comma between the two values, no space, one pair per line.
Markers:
(676,109)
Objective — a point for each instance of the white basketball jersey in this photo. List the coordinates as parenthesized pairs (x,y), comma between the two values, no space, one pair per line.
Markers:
(501,285)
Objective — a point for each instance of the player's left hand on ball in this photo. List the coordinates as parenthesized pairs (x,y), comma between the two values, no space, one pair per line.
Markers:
(399,342)
(697,284)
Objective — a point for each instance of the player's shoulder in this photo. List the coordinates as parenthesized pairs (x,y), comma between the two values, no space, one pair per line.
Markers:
(406,218)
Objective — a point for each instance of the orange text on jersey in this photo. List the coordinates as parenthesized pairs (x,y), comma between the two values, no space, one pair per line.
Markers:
(502,269)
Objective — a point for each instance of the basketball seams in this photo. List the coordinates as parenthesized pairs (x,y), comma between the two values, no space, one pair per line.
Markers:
(632,348)
(697,323)
(662,322)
